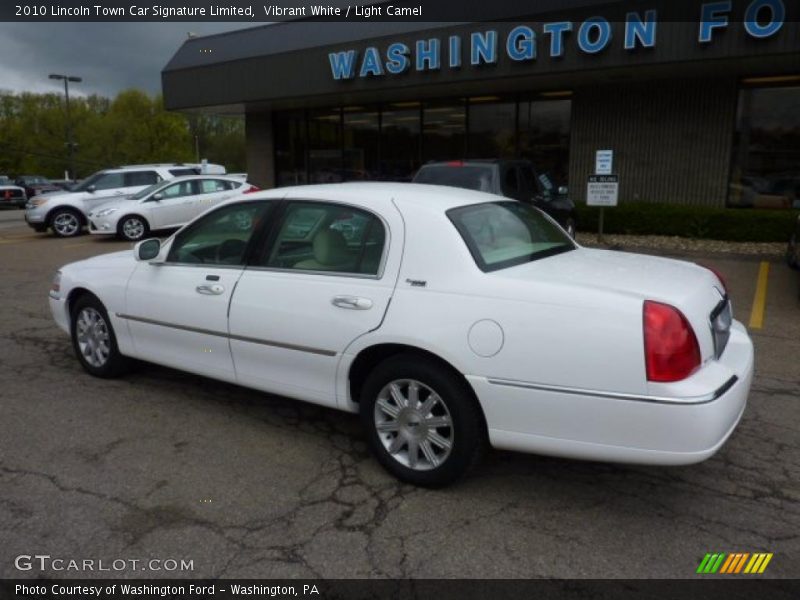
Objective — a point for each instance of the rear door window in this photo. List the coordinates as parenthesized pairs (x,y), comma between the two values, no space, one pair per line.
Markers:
(141,178)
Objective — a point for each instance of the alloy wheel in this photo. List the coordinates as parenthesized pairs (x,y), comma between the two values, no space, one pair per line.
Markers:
(94,340)
(413,424)
(66,224)
(133,228)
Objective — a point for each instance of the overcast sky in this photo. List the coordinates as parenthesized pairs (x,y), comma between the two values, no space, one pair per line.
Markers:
(108,56)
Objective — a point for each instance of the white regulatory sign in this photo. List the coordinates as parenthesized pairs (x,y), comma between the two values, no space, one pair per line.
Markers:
(602,190)
(603,162)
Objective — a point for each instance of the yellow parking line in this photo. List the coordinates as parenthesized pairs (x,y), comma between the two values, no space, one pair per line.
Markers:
(760,299)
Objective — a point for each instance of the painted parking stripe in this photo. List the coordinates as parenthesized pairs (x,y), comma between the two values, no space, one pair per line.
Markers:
(760,298)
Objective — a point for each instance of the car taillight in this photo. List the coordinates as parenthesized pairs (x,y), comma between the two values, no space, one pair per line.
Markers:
(455,163)
(252,189)
(671,351)
(718,276)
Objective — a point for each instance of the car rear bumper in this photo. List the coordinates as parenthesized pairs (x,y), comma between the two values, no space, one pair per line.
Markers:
(602,426)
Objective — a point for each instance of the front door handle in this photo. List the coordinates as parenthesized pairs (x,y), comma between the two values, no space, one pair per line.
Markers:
(352,302)
(214,289)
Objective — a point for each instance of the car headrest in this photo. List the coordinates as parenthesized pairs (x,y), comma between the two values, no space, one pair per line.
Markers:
(330,247)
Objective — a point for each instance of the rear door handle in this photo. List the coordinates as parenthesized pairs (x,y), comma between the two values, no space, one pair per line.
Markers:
(214,289)
(352,302)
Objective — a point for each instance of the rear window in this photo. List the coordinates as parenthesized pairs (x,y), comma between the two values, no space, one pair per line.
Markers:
(506,234)
(184,171)
(470,177)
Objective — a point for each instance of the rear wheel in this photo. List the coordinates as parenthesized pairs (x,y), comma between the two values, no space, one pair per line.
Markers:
(94,341)
(66,222)
(423,422)
(132,228)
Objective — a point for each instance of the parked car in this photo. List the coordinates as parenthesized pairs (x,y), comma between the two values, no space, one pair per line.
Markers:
(164,205)
(447,318)
(792,248)
(11,195)
(65,212)
(35,185)
(65,184)
(517,179)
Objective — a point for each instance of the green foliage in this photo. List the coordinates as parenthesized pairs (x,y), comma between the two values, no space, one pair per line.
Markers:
(730,224)
(131,128)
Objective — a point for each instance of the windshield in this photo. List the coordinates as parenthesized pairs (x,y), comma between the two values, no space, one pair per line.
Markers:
(505,234)
(91,180)
(148,190)
(477,177)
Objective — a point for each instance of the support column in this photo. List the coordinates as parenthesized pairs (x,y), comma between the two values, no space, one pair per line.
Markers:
(260,149)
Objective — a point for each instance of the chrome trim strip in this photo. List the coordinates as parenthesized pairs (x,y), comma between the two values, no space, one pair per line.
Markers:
(691,400)
(238,338)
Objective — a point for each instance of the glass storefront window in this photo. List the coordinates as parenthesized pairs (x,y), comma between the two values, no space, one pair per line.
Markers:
(765,170)
(444,130)
(492,128)
(290,148)
(325,146)
(361,137)
(400,141)
(544,127)
(390,142)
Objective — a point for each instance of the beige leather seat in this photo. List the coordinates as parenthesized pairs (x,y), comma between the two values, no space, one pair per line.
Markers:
(330,253)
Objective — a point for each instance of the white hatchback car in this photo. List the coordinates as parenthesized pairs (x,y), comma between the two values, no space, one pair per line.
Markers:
(447,318)
(164,205)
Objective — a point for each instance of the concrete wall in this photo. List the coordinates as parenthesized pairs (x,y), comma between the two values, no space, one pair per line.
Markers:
(260,149)
(672,140)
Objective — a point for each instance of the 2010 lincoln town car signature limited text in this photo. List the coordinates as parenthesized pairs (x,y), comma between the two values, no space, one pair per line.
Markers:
(448,319)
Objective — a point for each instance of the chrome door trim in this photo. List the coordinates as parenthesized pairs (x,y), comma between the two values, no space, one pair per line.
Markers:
(238,338)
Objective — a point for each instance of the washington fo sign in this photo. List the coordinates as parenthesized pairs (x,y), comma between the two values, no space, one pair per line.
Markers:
(762,19)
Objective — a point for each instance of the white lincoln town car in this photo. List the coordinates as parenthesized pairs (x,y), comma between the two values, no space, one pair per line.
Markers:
(449,319)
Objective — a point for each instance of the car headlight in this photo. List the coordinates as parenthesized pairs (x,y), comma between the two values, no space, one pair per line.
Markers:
(105,212)
(38,201)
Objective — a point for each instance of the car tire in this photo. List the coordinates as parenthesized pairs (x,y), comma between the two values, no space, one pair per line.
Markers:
(94,341)
(792,252)
(133,228)
(433,443)
(66,222)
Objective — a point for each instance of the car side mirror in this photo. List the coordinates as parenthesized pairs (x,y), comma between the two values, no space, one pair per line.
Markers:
(147,250)
(91,189)
(562,190)
(158,197)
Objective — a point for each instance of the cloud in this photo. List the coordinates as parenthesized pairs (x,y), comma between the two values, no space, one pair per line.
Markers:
(108,56)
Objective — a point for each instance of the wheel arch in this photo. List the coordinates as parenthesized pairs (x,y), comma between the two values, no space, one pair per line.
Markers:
(75,294)
(81,217)
(371,356)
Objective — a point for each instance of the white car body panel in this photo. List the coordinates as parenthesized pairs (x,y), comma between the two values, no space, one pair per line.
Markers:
(552,348)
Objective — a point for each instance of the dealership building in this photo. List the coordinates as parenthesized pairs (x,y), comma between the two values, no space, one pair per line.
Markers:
(699,106)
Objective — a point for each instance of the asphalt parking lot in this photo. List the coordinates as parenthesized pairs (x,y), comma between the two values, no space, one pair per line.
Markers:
(171,466)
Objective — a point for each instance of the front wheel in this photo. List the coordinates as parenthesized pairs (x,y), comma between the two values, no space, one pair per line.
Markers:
(66,222)
(423,423)
(133,228)
(94,341)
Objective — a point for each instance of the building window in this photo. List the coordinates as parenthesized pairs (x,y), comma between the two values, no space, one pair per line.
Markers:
(325,146)
(290,148)
(492,128)
(400,141)
(444,128)
(361,137)
(765,170)
(544,127)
